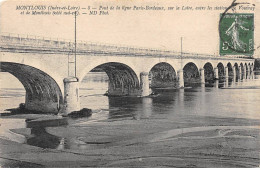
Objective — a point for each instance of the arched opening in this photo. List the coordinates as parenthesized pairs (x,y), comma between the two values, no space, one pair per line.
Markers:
(250,70)
(162,75)
(246,70)
(191,74)
(221,70)
(249,67)
(236,70)
(12,92)
(43,95)
(122,80)
(209,72)
(230,70)
(242,70)
(246,67)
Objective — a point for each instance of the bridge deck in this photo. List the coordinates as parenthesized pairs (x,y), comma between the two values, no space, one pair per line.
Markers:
(43,45)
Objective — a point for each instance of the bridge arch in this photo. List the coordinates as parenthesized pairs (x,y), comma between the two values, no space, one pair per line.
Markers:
(242,66)
(221,70)
(191,73)
(246,67)
(43,94)
(163,74)
(208,71)
(84,68)
(236,69)
(251,66)
(191,61)
(122,79)
(230,70)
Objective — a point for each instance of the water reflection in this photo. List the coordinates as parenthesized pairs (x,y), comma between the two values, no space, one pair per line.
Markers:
(73,143)
(226,82)
(216,84)
(181,97)
(62,144)
(39,137)
(232,83)
(252,76)
(147,104)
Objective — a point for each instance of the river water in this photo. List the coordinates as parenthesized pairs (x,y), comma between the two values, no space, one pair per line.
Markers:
(239,99)
(208,101)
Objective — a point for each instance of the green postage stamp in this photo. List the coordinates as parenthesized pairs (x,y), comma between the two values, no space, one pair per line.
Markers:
(236,33)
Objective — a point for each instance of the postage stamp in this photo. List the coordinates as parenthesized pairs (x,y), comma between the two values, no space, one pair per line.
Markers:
(236,34)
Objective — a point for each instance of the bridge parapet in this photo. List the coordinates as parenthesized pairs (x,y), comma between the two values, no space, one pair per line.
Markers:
(48,45)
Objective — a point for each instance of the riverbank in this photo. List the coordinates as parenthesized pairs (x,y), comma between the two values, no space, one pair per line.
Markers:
(186,141)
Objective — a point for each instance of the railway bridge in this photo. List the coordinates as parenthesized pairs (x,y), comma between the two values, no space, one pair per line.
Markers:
(51,72)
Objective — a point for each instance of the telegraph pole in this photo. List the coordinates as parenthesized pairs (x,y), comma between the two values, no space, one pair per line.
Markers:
(75,60)
(180,72)
(71,83)
(181,54)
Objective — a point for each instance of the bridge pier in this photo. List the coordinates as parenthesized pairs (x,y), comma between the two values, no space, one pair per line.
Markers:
(226,72)
(248,73)
(251,72)
(144,83)
(234,72)
(226,82)
(180,78)
(216,83)
(216,73)
(251,69)
(71,95)
(202,76)
(244,74)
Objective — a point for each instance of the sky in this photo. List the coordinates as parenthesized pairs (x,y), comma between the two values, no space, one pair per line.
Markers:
(152,29)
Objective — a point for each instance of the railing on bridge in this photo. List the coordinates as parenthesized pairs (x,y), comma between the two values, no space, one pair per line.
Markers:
(63,45)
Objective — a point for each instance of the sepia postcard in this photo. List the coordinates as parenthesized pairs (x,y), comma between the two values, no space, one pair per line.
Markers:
(130,84)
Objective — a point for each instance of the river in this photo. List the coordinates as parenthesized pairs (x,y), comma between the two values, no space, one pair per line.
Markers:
(198,111)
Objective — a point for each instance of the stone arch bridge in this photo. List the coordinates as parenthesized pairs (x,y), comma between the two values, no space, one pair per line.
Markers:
(46,68)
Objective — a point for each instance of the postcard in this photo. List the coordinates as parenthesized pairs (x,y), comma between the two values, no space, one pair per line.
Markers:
(129,83)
